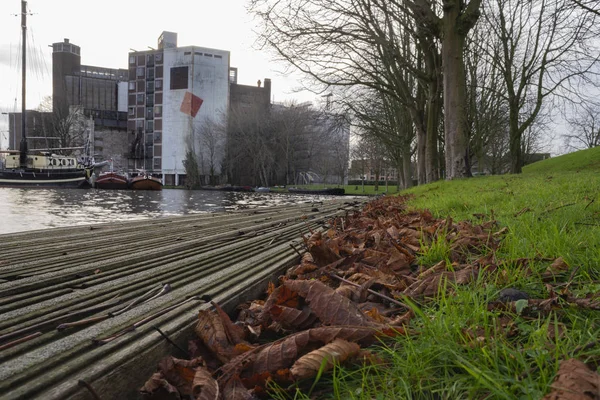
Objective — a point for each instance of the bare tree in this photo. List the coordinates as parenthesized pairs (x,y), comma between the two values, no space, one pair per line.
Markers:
(65,125)
(250,144)
(487,114)
(211,136)
(547,49)
(585,128)
(588,5)
(367,44)
(382,119)
(193,179)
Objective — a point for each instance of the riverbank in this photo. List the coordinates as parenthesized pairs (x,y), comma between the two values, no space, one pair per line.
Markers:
(492,293)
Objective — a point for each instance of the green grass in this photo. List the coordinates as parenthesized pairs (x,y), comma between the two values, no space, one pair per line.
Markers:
(464,351)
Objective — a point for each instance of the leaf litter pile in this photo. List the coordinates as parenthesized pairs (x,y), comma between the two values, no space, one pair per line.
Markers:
(355,286)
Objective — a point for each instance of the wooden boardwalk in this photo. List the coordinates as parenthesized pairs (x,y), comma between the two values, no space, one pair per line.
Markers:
(84,309)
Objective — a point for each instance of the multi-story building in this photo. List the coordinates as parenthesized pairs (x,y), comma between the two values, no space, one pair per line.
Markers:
(95,89)
(88,103)
(95,94)
(176,95)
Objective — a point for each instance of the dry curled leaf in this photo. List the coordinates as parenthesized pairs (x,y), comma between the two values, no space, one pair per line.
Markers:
(234,389)
(574,381)
(157,387)
(173,379)
(558,266)
(204,387)
(257,365)
(321,252)
(330,307)
(292,317)
(324,357)
(218,333)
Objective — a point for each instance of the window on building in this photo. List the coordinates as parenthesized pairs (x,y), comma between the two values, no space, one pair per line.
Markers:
(158,57)
(149,100)
(218,56)
(157,163)
(131,59)
(140,72)
(207,55)
(158,85)
(157,137)
(149,87)
(187,53)
(148,154)
(197,53)
(140,98)
(158,111)
(132,111)
(150,60)
(139,125)
(150,73)
(149,129)
(179,78)
(149,113)
(132,86)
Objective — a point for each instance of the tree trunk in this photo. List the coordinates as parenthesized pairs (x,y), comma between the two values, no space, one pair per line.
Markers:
(433,109)
(406,171)
(421,156)
(516,155)
(455,132)
(417,116)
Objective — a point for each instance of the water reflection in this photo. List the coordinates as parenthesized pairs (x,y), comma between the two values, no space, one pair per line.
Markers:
(30,209)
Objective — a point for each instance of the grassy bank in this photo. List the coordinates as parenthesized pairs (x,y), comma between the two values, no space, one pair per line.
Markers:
(462,348)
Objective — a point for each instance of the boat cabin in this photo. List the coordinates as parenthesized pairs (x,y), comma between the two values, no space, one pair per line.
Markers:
(41,161)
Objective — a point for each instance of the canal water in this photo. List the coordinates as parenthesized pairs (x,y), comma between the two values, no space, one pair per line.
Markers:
(31,209)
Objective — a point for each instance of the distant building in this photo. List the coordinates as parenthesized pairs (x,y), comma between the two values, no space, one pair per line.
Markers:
(94,93)
(246,102)
(174,95)
(79,92)
(92,88)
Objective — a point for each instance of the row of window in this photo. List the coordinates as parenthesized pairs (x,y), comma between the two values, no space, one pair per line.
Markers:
(140,125)
(142,72)
(179,80)
(148,59)
(151,86)
(151,112)
(197,53)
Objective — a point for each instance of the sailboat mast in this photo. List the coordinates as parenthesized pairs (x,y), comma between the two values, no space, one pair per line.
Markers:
(23,146)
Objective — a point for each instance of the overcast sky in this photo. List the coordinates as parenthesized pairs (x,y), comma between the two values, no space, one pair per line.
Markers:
(106,30)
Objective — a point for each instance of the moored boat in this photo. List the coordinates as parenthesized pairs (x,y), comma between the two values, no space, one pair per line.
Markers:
(41,170)
(145,182)
(327,191)
(111,180)
(22,168)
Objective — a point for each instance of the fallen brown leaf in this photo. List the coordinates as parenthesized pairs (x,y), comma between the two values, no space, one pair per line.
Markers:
(324,357)
(574,381)
(204,387)
(330,307)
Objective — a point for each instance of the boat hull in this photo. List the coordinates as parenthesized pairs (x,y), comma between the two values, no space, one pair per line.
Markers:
(145,183)
(111,181)
(43,179)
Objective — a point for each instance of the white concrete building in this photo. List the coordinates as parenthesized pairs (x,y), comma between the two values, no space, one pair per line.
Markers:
(177,95)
